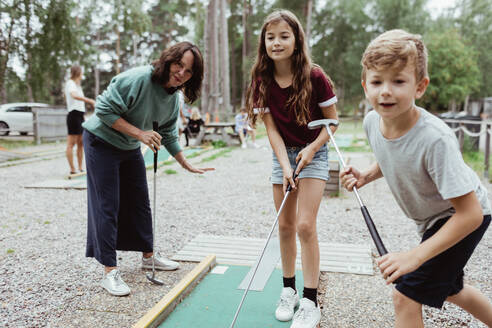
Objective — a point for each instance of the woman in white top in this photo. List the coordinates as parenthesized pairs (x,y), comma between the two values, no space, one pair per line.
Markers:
(76,109)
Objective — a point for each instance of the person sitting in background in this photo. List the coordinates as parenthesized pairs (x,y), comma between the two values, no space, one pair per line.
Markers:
(193,126)
(243,128)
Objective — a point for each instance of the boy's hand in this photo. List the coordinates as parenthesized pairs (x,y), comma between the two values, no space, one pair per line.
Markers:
(394,265)
(351,177)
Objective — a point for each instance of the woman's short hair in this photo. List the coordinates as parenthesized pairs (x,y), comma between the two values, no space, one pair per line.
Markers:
(191,88)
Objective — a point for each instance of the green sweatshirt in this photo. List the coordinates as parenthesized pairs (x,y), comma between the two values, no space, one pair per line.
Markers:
(133,96)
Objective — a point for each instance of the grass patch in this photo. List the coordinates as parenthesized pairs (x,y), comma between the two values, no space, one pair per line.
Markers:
(216,155)
(219,144)
(170,171)
(10,251)
(47,222)
(12,144)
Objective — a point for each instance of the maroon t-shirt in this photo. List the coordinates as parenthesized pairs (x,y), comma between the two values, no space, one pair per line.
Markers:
(285,119)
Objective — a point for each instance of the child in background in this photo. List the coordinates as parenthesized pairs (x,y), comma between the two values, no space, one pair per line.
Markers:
(420,159)
(193,126)
(243,128)
(288,91)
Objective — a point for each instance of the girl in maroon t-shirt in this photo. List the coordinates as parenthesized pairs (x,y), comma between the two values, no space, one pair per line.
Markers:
(288,91)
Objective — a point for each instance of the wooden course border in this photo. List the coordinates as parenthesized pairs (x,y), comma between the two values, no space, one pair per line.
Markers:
(156,315)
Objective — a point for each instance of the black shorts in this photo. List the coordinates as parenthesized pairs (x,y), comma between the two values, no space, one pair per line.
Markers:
(441,276)
(75,119)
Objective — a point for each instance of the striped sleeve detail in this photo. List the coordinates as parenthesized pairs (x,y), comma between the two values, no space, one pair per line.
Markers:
(328,102)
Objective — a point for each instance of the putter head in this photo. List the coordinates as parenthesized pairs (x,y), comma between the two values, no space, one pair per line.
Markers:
(153,279)
(320,123)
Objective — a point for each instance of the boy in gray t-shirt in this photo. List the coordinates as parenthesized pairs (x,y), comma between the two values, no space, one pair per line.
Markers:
(420,159)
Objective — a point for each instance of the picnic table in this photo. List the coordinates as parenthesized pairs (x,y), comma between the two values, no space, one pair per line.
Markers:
(217,131)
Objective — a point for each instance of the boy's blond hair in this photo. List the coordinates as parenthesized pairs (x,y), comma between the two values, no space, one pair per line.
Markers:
(393,50)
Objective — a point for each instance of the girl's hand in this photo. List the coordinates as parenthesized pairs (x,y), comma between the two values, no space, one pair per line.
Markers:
(394,265)
(304,157)
(351,177)
(151,139)
(288,180)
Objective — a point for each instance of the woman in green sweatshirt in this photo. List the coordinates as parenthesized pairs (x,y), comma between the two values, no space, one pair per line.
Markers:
(119,215)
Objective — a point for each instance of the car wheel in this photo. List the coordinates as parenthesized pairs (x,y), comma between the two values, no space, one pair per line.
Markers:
(4,129)
(23,133)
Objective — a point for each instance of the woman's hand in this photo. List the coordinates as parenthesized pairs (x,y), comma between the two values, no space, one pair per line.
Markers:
(304,157)
(151,139)
(395,265)
(187,166)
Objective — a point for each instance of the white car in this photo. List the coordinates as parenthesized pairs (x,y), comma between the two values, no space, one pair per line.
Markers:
(17,117)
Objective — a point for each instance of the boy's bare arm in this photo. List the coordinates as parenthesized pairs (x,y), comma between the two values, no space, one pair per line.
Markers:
(467,218)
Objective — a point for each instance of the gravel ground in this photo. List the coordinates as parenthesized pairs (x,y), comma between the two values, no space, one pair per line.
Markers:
(46,280)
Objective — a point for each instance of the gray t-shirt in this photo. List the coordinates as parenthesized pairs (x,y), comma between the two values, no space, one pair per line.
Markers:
(424,169)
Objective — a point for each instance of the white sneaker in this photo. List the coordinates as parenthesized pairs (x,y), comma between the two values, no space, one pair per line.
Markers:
(244,145)
(255,145)
(161,263)
(307,316)
(289,300)
(114,285)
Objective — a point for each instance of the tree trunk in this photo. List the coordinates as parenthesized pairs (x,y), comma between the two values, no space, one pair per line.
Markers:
(117,68)
(96,69)
(234,79)
(309,14)
(3,62)
(214,70)
(206,69)
(245,51)
(224,59)
(28,45)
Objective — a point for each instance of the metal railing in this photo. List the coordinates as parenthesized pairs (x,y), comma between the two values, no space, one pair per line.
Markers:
(49,124)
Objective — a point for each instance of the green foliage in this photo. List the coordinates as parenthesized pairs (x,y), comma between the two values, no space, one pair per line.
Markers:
(409,15)
(170,171)
(223,152)
(219,144)
(474,20)
(453,69)
(342,30)
(49,36)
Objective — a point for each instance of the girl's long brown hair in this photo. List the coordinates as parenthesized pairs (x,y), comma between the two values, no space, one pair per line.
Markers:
(263,70)
(192,87)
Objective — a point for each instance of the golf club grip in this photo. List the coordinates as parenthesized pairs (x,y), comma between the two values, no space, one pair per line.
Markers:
(373,231)
(155,127)
(294,176)
(375,235)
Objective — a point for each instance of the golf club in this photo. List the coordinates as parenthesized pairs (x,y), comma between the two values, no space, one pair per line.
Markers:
(367,217)
(152,278)
(287,192)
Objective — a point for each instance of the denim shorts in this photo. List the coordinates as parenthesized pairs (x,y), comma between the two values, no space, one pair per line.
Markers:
(317,169)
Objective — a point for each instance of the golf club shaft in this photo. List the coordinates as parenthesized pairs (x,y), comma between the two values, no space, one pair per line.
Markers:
(365,213)
(155,127)
(287,192)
